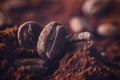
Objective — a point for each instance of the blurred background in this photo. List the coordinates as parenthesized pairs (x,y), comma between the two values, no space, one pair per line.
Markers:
(90,13)
(100,17)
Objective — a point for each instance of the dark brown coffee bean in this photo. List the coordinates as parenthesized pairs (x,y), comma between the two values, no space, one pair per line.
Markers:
(51,41)
(28,34)
(28,61)
(94,7)
(32,65)
(34,69)
(82,41)
(83,36)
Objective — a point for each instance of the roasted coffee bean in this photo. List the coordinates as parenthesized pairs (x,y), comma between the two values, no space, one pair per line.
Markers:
(77,24)
(93,7)
(82,41)
(29,61)
(83,36)
(108,30)
(51,41)
(2,19)
(16,4)
(31,65)
(28,34)
(34,69)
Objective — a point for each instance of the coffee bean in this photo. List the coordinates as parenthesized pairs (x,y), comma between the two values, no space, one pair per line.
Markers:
(2,19)
(51,41)
(5,18)
(16,4)
(28,34)
(77,24)
(93,7)
(83,36)
(82,41)
(108,30)
(31,65)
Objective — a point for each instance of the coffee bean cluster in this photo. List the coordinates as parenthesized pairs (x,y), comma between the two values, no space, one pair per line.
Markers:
(49,43)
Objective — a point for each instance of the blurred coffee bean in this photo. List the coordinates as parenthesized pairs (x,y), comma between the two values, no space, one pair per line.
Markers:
(103,54)
(81,41)
(108,30)
(28,34)
(77,24)
(93,7)
(34,3)
(2,19)
(80,24)
(21,4)
(5,20)
(16,4)
(51,41)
